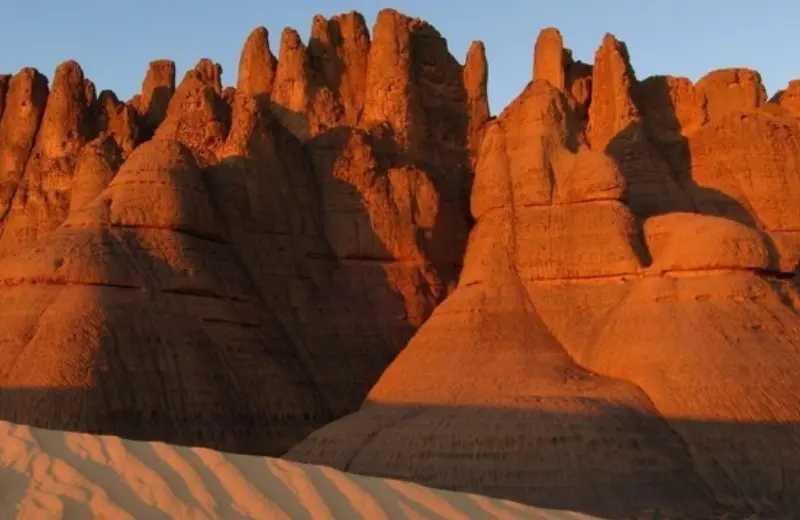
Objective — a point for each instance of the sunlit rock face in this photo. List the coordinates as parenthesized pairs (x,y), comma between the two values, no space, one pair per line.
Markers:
(626,270)
(587,302)
(231,267)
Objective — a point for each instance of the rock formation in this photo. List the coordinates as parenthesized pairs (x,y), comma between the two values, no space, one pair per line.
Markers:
(237,267)
(162,257)
(567,296)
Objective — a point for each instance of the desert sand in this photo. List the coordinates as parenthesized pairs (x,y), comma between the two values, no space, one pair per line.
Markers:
(50,474)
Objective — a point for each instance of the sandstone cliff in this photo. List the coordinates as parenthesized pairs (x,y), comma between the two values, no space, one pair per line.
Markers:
(237,267)
(164,258)
(625,269)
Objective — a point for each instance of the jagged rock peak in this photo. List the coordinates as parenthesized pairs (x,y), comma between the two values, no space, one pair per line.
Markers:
(291,91)
(476,81)
(550,57)
(157,90)
(257,65)
(65,124)
(210,73)
(612,108)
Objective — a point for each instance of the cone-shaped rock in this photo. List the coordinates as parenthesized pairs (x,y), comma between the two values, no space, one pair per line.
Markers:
(476,79)
(548,60)
(484,358)
(145,259)
(257,65)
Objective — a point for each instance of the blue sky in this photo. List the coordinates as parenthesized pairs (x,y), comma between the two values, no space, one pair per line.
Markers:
(114,41)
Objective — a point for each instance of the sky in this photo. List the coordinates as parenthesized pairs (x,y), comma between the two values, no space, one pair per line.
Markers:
(114,41)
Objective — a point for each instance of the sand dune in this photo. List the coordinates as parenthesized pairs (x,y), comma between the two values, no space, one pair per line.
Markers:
(46,474)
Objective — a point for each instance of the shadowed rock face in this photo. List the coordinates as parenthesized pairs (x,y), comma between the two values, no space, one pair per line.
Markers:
(163,257)
(237,267)
(622,259)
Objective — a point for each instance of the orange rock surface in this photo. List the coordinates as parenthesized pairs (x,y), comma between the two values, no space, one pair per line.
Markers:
(588,302)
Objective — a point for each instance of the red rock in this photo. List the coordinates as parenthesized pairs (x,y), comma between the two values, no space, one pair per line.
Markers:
(4,80)
(257,65)
(612,109)
(726,90)
(25,103)
(41,201)
(290,95)
(157,90)
(789,98)
(197,115)
(210,73)
(476,78)
(549,62)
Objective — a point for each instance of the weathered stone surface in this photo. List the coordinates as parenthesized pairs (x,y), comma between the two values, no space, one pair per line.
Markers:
(485,358)
(578,83)
(476,80)
(691,242)
(95,166)
(789,98)
(729,90)
(145,259)
(744,166)
(249,273)
(549,62)
(197,115)
(41,201)
(613,109)
(257,65)
(157,90)
(290,96)
(339,50)
(119,120)
(25,104)
(616,127)
(229,95)
(4,80)
(210,73)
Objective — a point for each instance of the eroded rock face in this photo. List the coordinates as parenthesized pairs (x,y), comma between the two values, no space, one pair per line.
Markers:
(548,58)
(485,353)
(24,105)
(623,328)
(197,115)
(157,90)
(148,259)
(257,65)
(476,79)
(557,262)
(727,90)
(789,98)
(4,80)
(41,200)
